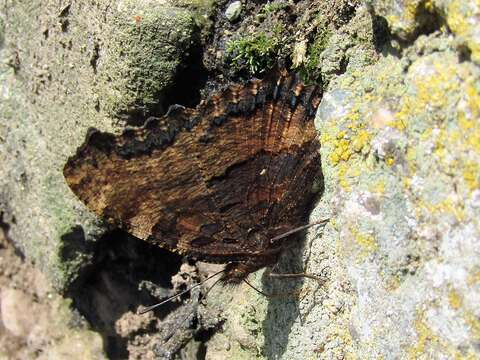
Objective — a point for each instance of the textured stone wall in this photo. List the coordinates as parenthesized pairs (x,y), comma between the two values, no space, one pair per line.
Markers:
(66,67)
(400,137)
(400,134)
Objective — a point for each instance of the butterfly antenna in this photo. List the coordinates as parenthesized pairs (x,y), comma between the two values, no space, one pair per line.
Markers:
(203,296)
(300,228)
(170,298)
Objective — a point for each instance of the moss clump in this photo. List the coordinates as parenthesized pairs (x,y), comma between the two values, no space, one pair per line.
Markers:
(202,11)
(309,69)
(255,53)
(274,6)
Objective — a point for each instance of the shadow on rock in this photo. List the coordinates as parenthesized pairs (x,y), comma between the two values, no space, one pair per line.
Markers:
(126,272)
(283,310)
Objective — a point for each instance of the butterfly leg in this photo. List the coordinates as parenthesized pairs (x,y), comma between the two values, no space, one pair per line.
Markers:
(271,274)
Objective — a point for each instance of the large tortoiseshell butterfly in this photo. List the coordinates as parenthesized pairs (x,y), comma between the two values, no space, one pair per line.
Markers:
(220,183)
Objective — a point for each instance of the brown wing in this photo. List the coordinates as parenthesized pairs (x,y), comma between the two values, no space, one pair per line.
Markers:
(207,182)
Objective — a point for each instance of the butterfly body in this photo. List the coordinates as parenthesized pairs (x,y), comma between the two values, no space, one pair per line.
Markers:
(216,183)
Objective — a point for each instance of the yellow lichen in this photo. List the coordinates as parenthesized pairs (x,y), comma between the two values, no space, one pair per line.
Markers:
(433,82)
(361,141)
(342,176)
(473,324)
(473,99)
(389,160)
(471,175)
(367,242)
(455,299)
(345,143)
(445,206)
(468,118)
(474,278)
(462,19)
(429,5)
(378,187)
(428,342)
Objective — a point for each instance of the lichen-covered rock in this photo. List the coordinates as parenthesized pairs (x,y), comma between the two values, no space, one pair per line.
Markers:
(233,11)
(148,42)
(400,145)
(400,152)
(409,18)
(67,67)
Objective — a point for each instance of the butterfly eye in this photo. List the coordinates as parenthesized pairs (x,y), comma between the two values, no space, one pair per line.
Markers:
(251,232)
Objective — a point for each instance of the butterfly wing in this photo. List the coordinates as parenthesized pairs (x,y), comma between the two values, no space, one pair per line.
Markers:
(205,181)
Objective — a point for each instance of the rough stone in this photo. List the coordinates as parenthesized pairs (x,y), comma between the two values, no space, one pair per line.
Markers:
(66,67)
(409,18)
(16,313)
(35,322)
(400,151)
(233,11)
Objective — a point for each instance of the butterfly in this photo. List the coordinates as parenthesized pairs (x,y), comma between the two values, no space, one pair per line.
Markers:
(222,183)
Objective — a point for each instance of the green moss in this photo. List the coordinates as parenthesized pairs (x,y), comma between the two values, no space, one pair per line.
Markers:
(256,52)
(202,11)
(273,7)
(309,69)
(270,9)
(194,4)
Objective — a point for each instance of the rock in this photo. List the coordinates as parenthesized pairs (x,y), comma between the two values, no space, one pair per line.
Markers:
(407,19)
(77,346)
(400,146)
(64,80)
(17,312)
(233,11)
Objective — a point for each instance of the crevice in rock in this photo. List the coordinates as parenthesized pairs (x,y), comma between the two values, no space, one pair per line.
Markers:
(429,21)
(186,89)
(113,286)
(5,228)
(94,57)
(189,81)
(464,54)
(63,15)
(203,337)
(381,32)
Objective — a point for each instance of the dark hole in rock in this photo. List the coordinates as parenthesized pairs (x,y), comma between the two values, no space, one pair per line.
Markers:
(189,80)
(5,228)
(381,32)
(464,54)
(202,337)
(114,285)
(429,21)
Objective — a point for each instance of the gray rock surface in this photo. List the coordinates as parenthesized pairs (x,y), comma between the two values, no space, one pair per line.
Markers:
(233,11)
(400,139)
(65,67)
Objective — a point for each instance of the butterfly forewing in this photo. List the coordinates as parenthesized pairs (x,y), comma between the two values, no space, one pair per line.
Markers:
(216,182)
